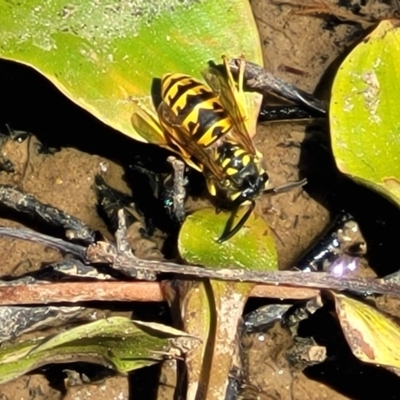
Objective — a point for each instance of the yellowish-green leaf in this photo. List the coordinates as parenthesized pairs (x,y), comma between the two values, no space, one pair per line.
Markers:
(105,54)
(364,116)
(116,342)
(372,336)
(252,248)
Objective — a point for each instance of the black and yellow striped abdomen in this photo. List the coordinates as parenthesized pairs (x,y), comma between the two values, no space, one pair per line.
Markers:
(197,108)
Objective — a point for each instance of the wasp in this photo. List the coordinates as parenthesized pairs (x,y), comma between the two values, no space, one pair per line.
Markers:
(208,126)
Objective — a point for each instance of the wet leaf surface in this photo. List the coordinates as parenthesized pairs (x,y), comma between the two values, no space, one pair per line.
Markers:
(372,336)
(116,342)
(102,55)
(364,127)
(253,247)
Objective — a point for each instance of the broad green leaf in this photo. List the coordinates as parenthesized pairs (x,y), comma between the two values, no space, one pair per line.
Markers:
(104,55)
(372,336)
(252,248)
(364,116)
(116,342)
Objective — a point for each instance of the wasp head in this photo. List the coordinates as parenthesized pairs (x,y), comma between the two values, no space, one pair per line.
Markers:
(250,186)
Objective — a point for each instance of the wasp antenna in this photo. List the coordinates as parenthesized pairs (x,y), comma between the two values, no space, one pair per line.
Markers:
(228,232)
(287,186)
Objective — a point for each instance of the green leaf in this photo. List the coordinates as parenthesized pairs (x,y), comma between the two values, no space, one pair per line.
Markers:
(116,342)
(252,248)
(105,54)
(372,336)
(364,116)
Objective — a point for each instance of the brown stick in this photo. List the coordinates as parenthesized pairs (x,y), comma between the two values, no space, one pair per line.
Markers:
(73,292)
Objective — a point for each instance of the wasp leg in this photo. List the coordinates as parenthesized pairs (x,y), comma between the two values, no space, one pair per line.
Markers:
(286,187)
(228,231)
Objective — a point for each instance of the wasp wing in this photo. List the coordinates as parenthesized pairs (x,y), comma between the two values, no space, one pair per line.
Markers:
(178,136)
(146,124)
(233,100)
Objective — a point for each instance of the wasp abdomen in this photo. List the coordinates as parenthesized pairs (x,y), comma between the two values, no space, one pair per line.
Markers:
(196,107)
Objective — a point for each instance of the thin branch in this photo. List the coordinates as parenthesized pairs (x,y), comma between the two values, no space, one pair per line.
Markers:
(16,199)
(263,81)
(127,263)
(73,292)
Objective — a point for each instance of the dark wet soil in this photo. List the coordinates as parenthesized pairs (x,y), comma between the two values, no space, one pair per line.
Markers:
(59,163)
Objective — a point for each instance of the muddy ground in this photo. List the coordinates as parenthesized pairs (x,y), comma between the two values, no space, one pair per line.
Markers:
(58,167)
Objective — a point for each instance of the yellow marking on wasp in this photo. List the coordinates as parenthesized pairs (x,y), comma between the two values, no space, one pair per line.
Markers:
(234,196)
(231,171)
(194,115)
(225,162)
(193,85)
(209,137)
(211,187)
(238,152)
(208,104)
(180,103)
(246,159)
(170,92)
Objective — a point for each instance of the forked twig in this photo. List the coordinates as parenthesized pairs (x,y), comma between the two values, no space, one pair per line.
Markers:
(263,81)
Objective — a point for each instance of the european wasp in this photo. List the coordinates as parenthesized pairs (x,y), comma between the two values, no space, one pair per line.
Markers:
(208,127)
